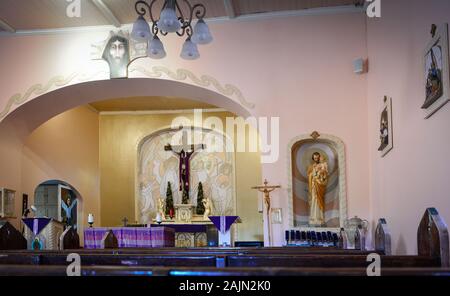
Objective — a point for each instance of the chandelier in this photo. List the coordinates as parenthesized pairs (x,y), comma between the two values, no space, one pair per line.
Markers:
(171,20)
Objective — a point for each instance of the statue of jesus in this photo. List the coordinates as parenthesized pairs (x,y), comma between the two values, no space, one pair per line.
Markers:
(317,184)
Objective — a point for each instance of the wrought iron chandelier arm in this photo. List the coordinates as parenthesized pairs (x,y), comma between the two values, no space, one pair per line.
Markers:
(181,18)
(200,11)
(155,29)
(142,8)
(185,30)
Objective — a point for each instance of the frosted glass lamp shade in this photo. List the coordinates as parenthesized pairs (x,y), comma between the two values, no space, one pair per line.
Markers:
(201,35)
(168,21)
(156,48)
(141,29)
(190,50)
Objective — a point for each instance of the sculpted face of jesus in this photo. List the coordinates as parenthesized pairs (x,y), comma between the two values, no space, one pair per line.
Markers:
(117,51)
(117,55)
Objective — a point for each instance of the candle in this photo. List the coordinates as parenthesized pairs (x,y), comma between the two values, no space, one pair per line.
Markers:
(91,219)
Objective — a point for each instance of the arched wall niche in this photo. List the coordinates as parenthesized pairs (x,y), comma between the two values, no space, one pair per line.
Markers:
(155,167)
(300,150)
(60,185)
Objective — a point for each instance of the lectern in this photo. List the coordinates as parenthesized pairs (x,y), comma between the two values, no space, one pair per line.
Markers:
(43,233)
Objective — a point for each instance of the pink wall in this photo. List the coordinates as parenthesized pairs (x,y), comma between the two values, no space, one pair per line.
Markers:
(415,174)
(66,148)
(296,68)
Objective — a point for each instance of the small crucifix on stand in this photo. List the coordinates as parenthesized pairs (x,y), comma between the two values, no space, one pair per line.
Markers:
(125,221)
(266,189)
(184,152)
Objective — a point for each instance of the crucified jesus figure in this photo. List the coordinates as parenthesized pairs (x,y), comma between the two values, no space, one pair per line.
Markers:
(184,153)
(267,189)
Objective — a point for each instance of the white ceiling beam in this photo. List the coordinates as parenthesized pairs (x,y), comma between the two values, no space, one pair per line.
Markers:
(107,13)
(249,17)
(6,27)
(229,8)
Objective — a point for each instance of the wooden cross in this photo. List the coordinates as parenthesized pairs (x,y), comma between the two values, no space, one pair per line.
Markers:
(184,153)
(266,189)
(125,221)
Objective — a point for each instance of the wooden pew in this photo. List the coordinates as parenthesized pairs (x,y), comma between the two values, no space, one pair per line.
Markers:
(204,251)
(69,240)
(59,270)
(328,261)
(432,237)
(99,260)
(11,238)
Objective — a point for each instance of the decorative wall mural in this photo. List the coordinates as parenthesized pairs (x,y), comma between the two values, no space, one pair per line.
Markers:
(61,81)
(317,189)
(157,167)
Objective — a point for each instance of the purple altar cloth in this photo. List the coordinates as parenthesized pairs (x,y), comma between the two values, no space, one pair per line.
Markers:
(223,223)
(190,228)
(36,225)
(131,237)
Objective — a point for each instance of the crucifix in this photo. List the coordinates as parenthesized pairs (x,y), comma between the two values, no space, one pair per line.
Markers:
(125,221)
(266,189)
(184,152)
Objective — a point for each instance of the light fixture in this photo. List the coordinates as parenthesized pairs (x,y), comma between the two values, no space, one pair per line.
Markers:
(171,20)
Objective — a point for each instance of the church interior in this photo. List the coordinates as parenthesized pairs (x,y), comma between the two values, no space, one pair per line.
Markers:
(224,137)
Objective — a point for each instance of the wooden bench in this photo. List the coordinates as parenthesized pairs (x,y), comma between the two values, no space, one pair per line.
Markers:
(59,270)
(108,259)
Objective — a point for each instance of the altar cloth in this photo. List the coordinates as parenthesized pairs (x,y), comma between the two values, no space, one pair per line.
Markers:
(131,237)
(223,223)
(36,225)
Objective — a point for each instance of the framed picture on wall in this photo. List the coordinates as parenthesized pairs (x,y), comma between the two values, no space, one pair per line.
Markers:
(386,135)
(436,71)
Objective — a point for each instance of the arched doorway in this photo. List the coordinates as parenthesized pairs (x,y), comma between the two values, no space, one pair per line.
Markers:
(58,200)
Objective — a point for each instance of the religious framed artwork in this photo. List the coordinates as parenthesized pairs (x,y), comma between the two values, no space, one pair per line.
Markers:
(436,71)
(277,216)
(317,183)
(386,135)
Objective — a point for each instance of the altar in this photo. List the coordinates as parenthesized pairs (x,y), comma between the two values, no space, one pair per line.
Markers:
(187,235)
(131,237)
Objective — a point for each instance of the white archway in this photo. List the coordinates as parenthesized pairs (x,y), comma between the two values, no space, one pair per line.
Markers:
(35,112)
(20,123)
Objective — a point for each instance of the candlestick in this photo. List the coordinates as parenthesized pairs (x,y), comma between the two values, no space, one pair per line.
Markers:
(90,219)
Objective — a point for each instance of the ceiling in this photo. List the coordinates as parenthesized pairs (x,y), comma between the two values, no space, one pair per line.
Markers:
(149,104)
(25,15)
